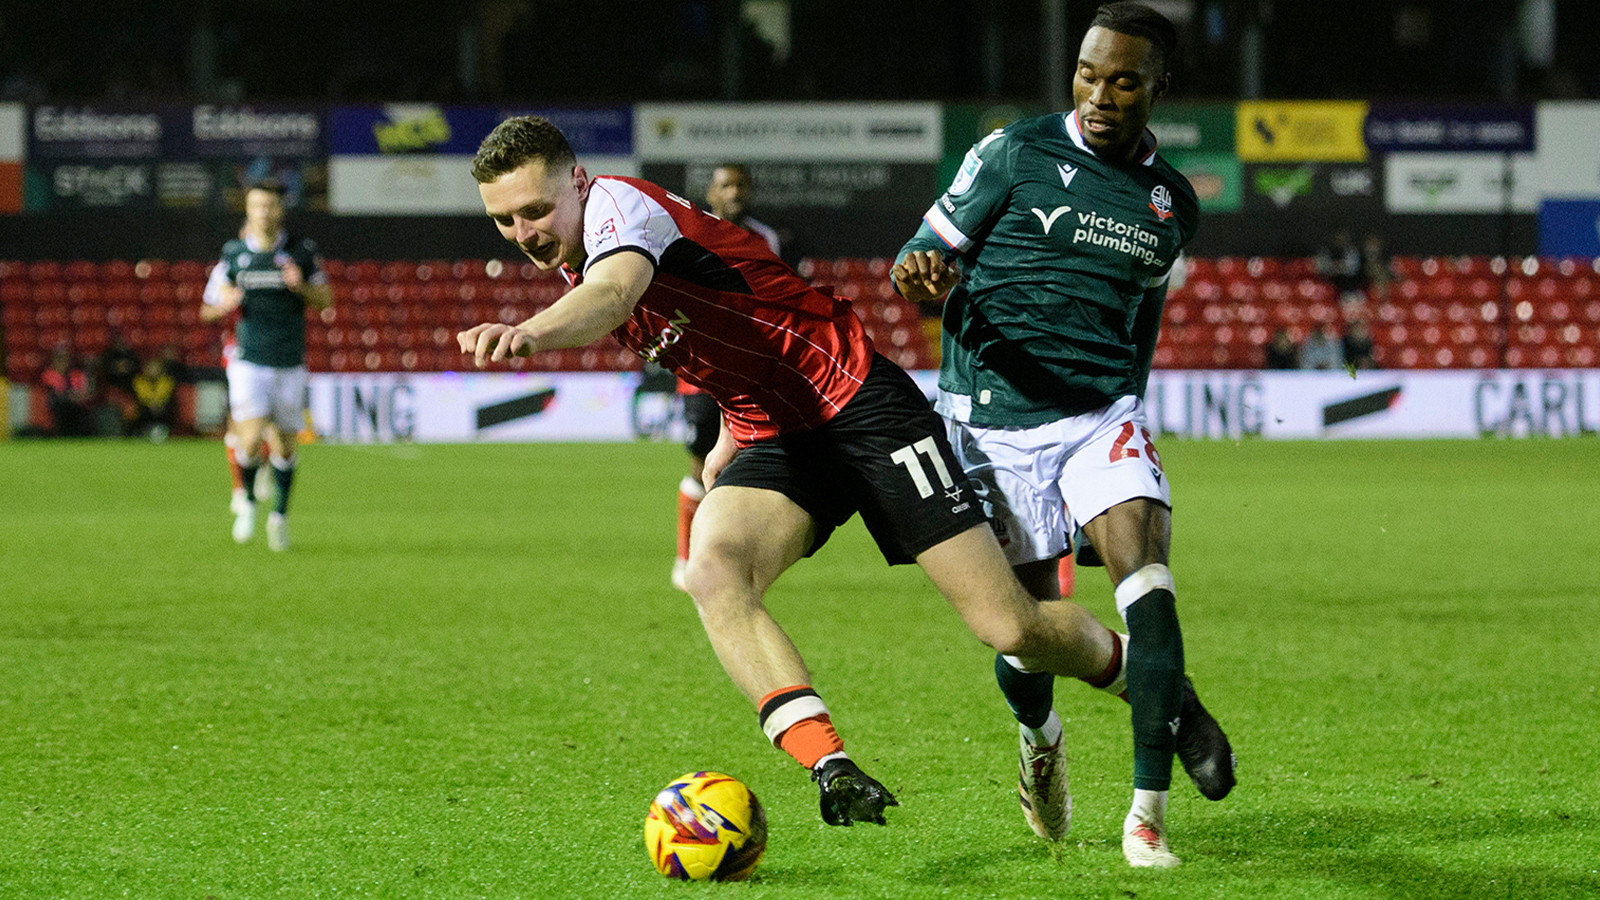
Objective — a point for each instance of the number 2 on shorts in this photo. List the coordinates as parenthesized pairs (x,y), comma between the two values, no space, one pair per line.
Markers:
(907,456)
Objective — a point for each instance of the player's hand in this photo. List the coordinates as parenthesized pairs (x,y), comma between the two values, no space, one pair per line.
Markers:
(923,275)
(293,278)
(719,457)
(494,342)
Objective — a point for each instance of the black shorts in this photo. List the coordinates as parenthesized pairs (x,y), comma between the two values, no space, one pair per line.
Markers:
(704,418)
(884,455)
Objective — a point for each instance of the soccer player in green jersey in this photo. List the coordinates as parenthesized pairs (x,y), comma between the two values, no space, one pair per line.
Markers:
(1066,227)
(271,278)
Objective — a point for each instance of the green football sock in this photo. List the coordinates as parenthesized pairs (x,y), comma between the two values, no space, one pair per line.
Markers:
(248,475)
(284,477)
(1029,694)
(1155,673)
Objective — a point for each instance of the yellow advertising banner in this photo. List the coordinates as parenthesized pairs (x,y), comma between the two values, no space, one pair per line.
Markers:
(1302,131)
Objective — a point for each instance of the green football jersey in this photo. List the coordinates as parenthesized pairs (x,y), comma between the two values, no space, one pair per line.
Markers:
(272,318)
(1064,259)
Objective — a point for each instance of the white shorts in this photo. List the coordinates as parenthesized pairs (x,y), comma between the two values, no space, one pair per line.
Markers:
(1040,485)
(256,392)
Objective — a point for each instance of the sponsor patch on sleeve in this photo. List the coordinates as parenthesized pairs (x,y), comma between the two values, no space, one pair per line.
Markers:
(968,174)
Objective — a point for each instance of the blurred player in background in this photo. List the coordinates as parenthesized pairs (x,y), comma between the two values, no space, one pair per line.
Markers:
(726,197)
(1066,228)
(816,427)
(270,277)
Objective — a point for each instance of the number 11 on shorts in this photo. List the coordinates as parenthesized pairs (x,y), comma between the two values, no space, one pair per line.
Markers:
(907,456)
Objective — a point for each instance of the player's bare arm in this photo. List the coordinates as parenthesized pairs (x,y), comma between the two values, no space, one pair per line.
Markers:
(588,312)
(316,296)
(229,297)
(923,275)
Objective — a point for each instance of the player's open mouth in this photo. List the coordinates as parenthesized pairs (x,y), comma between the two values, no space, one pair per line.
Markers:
(1098,126)
(544,252)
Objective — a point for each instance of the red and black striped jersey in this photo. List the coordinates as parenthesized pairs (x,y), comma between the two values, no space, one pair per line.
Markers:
(725,314)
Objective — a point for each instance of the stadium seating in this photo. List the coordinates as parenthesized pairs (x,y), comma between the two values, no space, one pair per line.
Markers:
(402,315)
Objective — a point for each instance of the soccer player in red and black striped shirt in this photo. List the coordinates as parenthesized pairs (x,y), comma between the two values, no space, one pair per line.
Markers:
(816,427)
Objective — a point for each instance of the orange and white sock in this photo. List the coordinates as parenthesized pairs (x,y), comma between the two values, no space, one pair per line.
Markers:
(690,493)
(797,722)
(228,446)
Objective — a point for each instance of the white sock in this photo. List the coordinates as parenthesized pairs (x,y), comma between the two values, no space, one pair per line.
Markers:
(1149,807)
(1045,735)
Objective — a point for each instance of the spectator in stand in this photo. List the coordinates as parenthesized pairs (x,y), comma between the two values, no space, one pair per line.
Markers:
(69,395)
(1320,350)
(155,390)
(172,361)
(1340,262)
(1282,353)
(116,367)
(1357,346)
(1375,267)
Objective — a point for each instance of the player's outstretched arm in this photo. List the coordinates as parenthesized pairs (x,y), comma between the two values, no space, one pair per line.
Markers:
(585,314)
(922,276)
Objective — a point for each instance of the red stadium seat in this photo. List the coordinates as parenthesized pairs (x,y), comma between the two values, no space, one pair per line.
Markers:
(14,314)
(1554,311)
(398,271)
(81,270)
(362,270)
(152,268)
(1241,289)
(158,293)
(116,270)
(44,270)
(190,270)
(1200,267)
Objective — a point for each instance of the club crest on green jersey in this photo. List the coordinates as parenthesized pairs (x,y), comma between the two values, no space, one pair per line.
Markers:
(1161,202)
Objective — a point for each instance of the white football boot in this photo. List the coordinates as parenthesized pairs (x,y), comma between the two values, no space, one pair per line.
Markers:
(277,531)
(244,523)
(1042,790)
(1145,844)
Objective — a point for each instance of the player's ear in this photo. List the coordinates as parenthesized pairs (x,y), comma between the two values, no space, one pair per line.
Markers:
(580,181)
(1162,83)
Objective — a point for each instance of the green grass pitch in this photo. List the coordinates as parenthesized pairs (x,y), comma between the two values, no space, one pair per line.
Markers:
(469,677)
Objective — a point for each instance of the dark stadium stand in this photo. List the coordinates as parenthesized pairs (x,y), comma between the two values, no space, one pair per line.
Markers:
(1472,312)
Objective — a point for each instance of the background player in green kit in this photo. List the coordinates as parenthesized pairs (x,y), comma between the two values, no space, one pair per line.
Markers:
(1066,227)
(270,277)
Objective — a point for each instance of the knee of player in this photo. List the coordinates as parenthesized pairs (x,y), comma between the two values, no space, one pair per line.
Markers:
(1009,636)
(715,572)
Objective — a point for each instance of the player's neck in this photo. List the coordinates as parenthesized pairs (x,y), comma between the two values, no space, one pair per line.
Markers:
(263,239)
